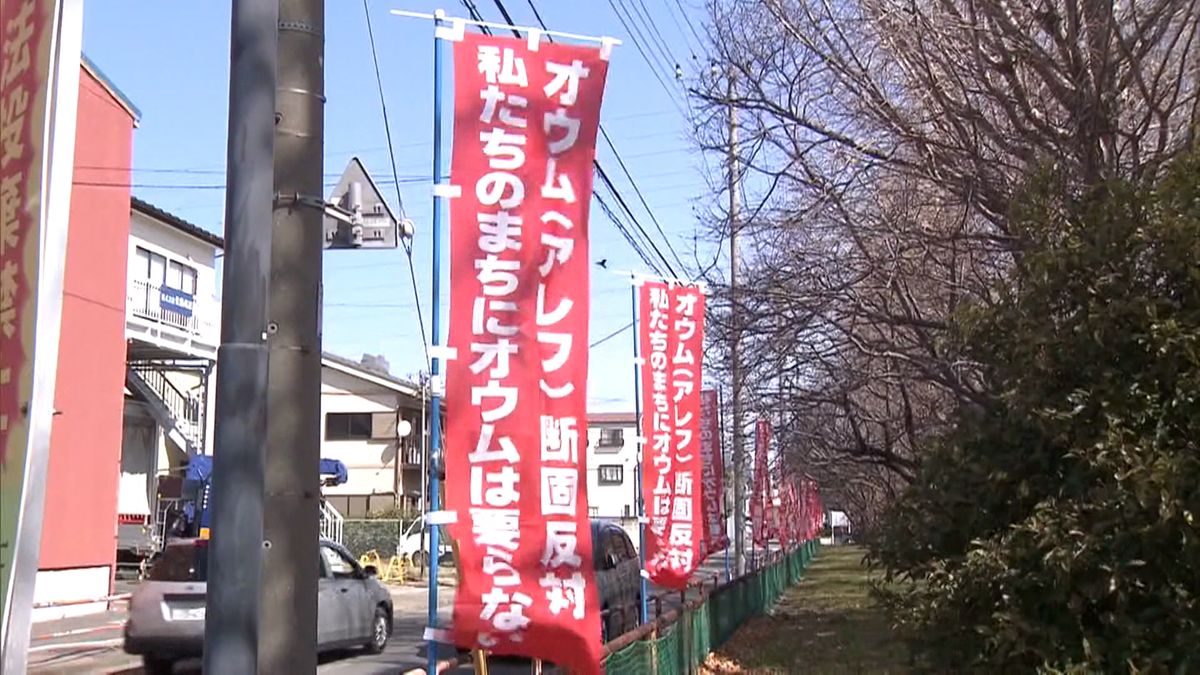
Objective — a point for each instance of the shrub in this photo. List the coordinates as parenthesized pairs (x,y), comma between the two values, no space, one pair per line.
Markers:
(1056,527)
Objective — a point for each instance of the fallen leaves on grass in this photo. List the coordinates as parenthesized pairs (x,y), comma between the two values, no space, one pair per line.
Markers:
(826,624)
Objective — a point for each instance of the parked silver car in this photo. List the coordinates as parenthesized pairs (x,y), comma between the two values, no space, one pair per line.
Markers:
(166,612)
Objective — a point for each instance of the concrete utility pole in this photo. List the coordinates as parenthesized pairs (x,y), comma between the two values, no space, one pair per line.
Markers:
(231,622)
(735,357)
(288,629)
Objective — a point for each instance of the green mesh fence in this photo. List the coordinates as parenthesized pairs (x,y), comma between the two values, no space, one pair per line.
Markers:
(683,645)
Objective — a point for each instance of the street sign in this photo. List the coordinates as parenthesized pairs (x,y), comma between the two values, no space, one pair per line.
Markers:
(357,216)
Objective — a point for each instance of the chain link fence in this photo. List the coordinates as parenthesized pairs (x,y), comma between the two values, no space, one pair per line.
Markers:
(681,640)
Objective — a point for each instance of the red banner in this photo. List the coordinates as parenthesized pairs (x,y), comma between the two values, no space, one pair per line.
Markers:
(525,135)
(26,34)
(760,497)
(715,536)
(787,513)
(816,511)
(671,335)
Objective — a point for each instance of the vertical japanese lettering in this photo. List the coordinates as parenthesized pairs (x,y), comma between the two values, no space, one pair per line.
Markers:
(525,133)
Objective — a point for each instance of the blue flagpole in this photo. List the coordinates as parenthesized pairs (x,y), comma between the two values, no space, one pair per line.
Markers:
(641,496)
(435,425)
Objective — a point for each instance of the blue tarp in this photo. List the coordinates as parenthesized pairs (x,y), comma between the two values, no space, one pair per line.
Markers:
(199,469)
(199,472)
(195,480)
(333,467)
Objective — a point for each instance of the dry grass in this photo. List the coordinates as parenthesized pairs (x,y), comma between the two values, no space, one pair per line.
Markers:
(826,624)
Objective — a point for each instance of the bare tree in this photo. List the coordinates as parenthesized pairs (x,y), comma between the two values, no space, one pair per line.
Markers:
(886,143)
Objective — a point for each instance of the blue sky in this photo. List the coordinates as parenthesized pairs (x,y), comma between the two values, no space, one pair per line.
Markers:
(171,59)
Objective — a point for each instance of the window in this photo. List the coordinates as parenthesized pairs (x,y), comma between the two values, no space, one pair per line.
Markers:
(348,426)
(340,567)
(181,277)
(150,266)
(611,474)
(154,268)
(612,437)
(377,426)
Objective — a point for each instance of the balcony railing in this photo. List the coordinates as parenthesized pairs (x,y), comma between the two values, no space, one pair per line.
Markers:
(410,455)
(170,307)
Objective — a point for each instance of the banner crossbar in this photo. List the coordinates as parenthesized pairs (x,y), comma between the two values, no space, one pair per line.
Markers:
(440,15)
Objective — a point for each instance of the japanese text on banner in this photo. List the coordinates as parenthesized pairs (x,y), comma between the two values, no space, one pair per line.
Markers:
(760,497)
(671,326)
(525,133)
(715,536)
(26,32)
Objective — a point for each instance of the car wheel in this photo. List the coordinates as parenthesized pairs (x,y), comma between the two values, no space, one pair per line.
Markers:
(421,558)
(379,631)
(157,665)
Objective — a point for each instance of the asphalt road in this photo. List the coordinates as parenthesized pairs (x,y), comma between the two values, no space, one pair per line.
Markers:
(92,644)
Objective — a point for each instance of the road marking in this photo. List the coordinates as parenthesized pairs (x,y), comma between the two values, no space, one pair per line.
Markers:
(115,625)
(78,645)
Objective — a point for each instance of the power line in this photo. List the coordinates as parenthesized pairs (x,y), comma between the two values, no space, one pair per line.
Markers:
(218,186)
(647,59)
(476,15)
(651,28)
(611,335)
(641,197)
(387,127)
(604,176)
(621,200)
(688,21)
(633,243)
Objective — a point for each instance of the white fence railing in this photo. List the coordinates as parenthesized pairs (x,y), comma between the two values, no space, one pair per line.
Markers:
(410,455)
(332,522)
(171,307)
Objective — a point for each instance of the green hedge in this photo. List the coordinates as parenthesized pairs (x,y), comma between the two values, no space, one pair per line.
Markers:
(377,534)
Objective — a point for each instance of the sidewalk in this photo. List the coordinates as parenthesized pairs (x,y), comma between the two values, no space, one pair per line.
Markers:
(828,623)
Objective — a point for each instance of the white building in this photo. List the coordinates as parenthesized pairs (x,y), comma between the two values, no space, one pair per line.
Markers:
(372,422)
(172,331)
(612,461)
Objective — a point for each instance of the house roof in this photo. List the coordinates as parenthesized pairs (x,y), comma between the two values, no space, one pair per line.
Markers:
(111,88)
(145,207)
(612,418)
(356,369)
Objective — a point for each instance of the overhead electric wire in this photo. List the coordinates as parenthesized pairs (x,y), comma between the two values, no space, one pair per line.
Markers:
(633,243)
(387,127)
(210,186)
(688,21)
(611,335)
(629,237)
(647,59)
(621,200)
(604,176)
(651,28)
(641,197)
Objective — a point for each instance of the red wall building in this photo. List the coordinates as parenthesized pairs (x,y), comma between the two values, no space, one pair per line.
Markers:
(78,535)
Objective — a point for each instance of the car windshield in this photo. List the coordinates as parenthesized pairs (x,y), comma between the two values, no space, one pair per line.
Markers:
(182,563)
